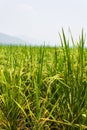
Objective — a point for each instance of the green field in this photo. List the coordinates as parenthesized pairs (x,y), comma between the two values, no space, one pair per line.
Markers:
(44,88)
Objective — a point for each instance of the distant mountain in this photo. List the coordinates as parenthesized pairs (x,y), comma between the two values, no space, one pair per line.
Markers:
(32,41)
(7,39)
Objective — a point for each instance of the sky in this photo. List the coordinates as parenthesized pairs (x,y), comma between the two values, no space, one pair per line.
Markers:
(43,19)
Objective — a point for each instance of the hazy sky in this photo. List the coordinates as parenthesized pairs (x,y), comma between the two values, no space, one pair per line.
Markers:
(42,19)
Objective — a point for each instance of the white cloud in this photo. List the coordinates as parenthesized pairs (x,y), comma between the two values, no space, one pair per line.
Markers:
(25,8)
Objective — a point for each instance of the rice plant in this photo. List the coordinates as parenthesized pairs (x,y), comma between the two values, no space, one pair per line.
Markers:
(44,88)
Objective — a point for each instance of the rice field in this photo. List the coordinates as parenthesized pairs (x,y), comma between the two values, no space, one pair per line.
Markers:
(44,88)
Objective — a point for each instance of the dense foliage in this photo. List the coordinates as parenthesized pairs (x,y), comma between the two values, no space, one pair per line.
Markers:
(43,88)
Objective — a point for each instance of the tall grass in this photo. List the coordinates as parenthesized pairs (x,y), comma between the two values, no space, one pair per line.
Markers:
(44,88)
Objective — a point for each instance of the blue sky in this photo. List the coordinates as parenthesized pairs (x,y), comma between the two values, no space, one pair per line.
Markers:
(43,19)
